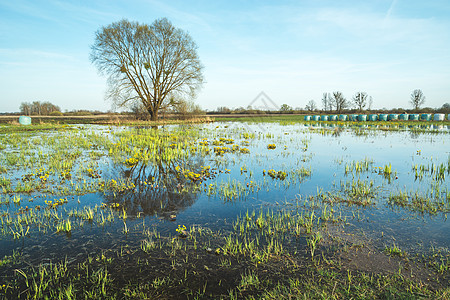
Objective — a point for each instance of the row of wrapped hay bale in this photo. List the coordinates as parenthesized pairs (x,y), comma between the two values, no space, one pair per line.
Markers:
(380,117)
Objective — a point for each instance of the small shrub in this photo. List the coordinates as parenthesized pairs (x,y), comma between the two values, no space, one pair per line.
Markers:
(56,113)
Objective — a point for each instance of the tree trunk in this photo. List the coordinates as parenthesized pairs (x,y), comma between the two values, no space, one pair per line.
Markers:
(153,115)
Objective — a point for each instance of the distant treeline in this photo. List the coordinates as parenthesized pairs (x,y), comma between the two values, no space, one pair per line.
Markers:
(445,109)
(336,103)
(38,108)
(46,108)
(81,112)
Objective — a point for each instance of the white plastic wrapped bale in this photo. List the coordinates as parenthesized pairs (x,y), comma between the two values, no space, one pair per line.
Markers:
(24,120)
(439,117)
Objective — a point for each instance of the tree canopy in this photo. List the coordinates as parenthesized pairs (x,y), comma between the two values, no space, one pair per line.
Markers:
(155,64)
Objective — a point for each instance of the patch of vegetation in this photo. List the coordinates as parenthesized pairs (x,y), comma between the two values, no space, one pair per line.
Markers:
(394,250)
(422,202)
(6,129)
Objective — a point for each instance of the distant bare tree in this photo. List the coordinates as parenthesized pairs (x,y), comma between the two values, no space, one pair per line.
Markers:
(223,109)
(285,108)
(25,108)
(326,102)
(187,109)
(360,99)
(417,99)
(36,108)
(370,103)
(339,102)
(47,108)
(311,106)
(446,107)
(139,111)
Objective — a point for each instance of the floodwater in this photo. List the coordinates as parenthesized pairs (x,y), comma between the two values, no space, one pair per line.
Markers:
(314,160)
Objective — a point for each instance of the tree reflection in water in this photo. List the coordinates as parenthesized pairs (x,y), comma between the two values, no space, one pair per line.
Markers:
(160,188)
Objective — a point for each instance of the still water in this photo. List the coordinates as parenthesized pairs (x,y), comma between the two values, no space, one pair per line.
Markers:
(234,170)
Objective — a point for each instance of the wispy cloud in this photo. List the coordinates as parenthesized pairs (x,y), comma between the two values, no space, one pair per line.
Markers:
(390,10)
(30,9)
(87,14)
(33,54)
(32,59)
(198,19)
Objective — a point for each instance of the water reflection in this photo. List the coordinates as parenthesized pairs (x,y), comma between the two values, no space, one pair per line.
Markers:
(393,125)
(159,189)
(414,134)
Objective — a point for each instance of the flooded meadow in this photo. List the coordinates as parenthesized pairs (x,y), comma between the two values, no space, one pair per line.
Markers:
(225,210)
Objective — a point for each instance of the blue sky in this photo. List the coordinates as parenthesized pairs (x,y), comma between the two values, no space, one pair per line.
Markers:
(292,50)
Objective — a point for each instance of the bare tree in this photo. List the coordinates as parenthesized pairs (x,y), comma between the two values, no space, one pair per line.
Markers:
(311,106)
(326,102)
(139,111)
(223,109)
(339,102)
(446,107)
(25,108)
(38,108)
(417,98)
(361,99)
(154,64)
(187,109)
(285,108)
(47,108)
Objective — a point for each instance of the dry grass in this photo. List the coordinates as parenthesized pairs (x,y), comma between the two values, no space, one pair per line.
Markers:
(113,120)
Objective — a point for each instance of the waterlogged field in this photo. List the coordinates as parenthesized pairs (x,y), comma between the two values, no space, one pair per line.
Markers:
(225,210)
